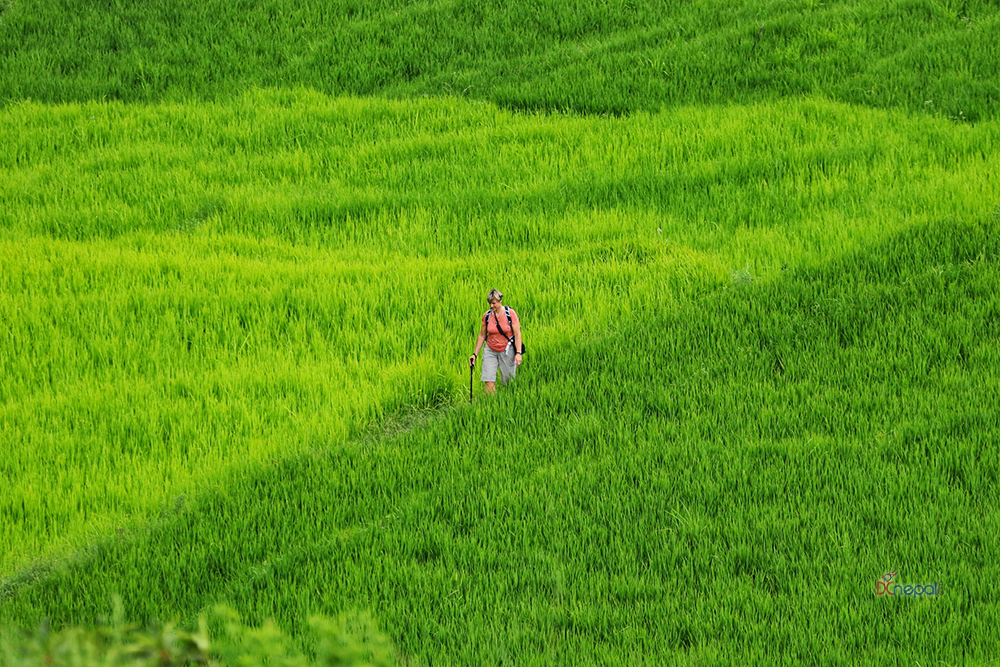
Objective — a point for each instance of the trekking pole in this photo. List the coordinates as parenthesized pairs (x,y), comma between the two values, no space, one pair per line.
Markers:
(472,366)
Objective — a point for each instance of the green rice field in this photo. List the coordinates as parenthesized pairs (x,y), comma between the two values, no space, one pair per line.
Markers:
(244,253)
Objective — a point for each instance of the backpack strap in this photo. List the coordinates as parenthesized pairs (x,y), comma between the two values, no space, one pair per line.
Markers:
(513,338)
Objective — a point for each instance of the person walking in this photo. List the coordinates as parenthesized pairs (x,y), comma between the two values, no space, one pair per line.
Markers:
(501,331)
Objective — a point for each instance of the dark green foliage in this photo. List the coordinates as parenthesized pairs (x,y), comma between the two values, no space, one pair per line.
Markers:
(593,56)
(348,641)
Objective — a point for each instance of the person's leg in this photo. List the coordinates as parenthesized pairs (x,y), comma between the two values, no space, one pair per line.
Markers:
(491,362)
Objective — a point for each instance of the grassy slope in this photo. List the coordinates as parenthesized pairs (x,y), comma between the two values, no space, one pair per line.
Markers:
(813,428)
(820,424)
(740,500)
(232,289)
(593,56)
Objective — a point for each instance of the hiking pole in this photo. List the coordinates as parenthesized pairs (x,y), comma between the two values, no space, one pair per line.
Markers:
(472,366)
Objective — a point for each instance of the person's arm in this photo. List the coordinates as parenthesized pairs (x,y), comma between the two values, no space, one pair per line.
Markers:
(479,343)
(517,342)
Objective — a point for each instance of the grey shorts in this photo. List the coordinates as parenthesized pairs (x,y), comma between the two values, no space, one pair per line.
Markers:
(502,361)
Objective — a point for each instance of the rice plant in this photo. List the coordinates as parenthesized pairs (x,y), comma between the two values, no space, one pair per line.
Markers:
(762,374)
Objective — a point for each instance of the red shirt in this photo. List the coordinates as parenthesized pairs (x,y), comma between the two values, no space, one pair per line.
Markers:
(496,340)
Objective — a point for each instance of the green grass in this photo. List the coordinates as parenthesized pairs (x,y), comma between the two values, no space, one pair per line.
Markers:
(593,56)
(613,507)
(243,252)
(762,374)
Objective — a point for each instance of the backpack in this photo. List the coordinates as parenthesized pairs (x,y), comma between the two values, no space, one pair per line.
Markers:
(510,323)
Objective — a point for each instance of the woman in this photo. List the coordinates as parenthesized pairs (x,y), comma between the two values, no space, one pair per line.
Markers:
(502,332)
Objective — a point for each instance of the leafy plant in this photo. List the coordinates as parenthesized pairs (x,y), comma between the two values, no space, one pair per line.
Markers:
(348,641)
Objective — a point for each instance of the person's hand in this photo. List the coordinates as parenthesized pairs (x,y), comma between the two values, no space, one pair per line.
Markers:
(517,359)
(472,361)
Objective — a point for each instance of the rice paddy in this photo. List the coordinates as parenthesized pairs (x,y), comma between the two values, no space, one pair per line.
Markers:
(762,332)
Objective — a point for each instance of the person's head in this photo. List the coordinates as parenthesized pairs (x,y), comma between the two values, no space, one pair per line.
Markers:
(494,297)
